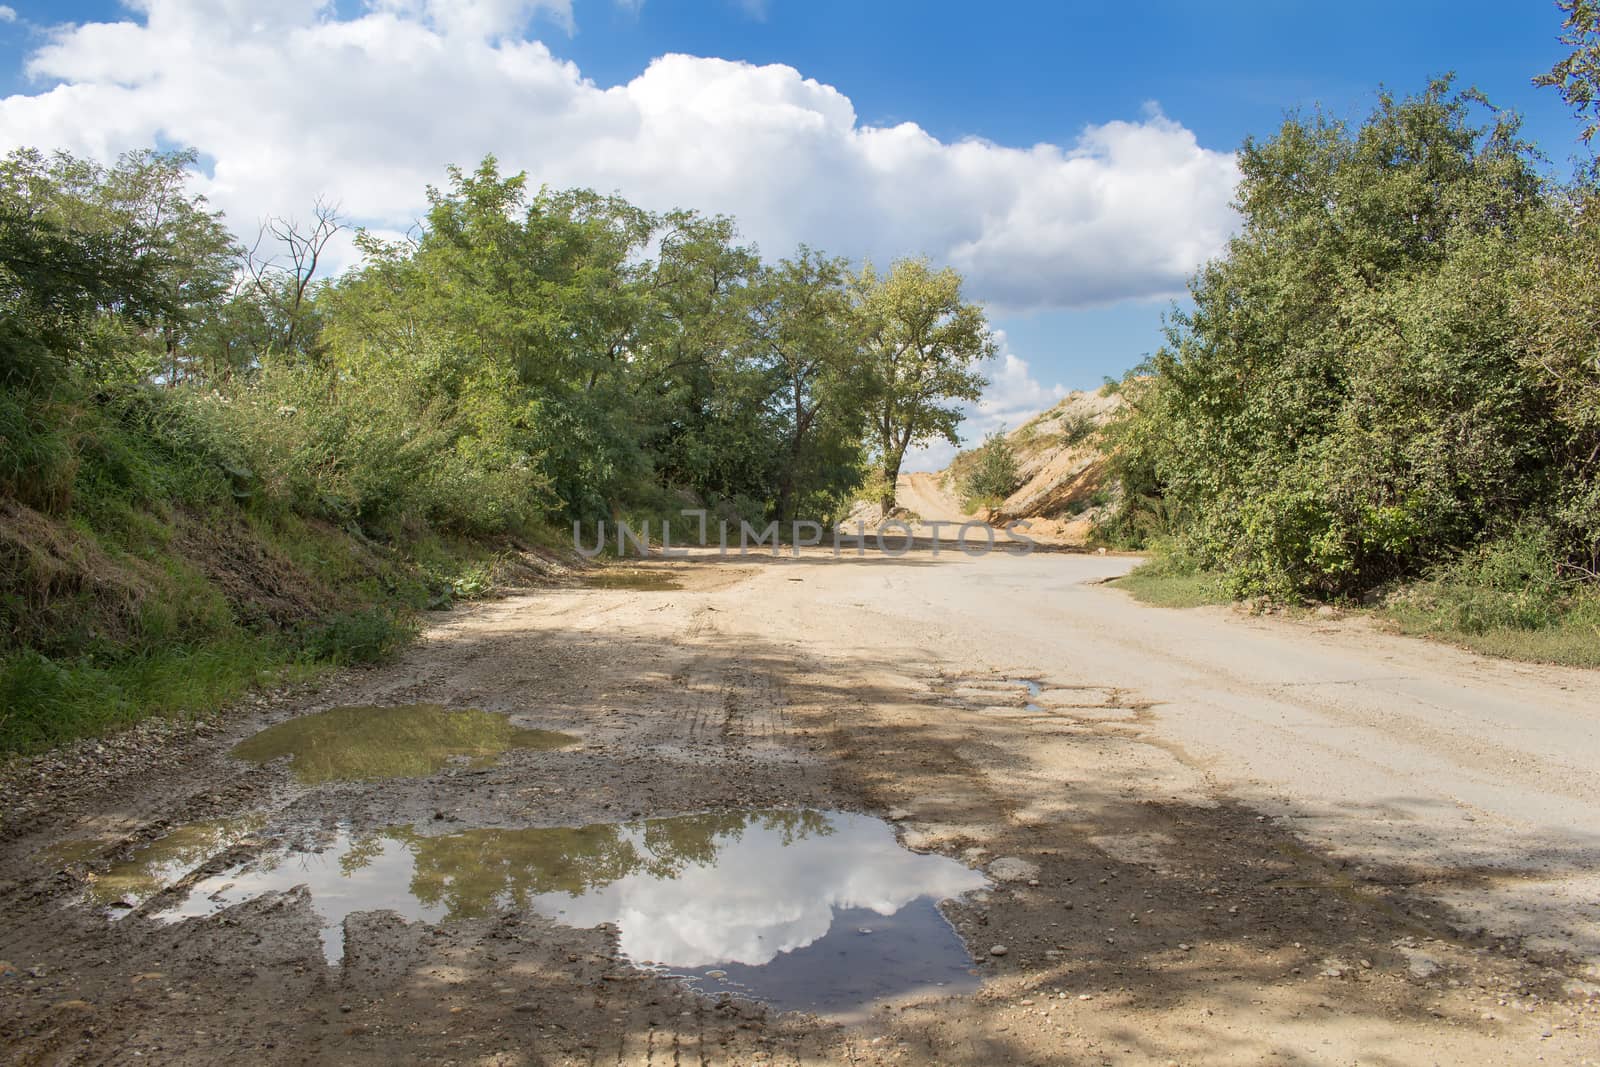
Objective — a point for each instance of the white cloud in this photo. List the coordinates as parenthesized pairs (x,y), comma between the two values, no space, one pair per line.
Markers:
(7,14)
(292,101)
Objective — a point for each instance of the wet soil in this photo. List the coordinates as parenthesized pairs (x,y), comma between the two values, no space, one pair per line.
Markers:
(1139,912)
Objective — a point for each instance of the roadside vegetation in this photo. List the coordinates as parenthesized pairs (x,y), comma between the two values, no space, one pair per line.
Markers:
(222,466)
(988,474)
(1388,388)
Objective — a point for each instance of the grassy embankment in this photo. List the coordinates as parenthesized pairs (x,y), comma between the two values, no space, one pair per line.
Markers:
(1493,602)
(145,572)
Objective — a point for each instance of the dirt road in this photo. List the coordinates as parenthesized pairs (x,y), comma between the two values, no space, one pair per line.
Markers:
(921,494)
(1213,838)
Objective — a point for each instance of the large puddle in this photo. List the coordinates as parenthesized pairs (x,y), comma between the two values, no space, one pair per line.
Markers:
(809,910)
(359,743)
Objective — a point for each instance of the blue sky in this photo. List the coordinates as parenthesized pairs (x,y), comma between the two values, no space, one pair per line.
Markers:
(1082,301)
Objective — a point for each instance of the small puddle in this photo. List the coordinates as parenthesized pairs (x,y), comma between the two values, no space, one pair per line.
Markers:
(1034,689)
(649,581)
(162,862)
(362,743)
(805,910)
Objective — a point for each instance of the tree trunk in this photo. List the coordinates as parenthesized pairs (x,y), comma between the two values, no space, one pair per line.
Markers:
(891,474)
(785,499)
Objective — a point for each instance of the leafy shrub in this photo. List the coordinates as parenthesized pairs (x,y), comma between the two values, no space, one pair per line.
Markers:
(1510,583)
(1352,399)
(1076,428)
(992,475)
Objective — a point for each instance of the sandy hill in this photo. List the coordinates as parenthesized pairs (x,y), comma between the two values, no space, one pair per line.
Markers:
(1061,468)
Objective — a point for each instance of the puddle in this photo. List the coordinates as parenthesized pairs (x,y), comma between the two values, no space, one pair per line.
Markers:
(1034,689)
(649,581)
(74,850)
(808,910)
(359,743)
(165,860)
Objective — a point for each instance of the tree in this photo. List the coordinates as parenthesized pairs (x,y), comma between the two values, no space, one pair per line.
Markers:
(1346,402)
(128,245)
(712,429)
(920,345)
(805,333)
(1577,77)
(282,278)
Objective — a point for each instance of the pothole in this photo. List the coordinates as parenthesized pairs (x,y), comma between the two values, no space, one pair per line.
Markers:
(804,910)
(411,741)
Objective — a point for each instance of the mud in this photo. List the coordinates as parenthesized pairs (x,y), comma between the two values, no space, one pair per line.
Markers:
(1139,910)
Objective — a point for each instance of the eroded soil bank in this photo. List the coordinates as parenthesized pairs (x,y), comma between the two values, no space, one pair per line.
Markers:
(1162,890)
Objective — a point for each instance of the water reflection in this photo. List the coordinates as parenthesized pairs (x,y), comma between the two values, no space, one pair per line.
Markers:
(775,902)
(153,867)
(363,743)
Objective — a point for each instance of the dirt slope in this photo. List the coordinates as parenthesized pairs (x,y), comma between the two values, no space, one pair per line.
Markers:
(1063,487)
(1256,841)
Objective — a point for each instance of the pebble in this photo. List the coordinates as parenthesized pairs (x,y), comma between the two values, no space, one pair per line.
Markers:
(998,950)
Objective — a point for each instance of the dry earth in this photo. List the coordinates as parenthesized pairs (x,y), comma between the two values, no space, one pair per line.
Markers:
(1255,840)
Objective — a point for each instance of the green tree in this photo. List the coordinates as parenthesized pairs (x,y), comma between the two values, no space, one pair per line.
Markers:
(1577,76)
(1346,401)
(805,332)
(921,344)
(109,270)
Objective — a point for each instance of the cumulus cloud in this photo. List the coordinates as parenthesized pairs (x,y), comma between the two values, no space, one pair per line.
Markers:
(7,14)
(291,101)
(761,896)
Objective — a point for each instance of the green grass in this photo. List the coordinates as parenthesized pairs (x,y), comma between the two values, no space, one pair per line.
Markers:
(1495,603)
(110,610)
(47,702)
(1567,635)
(1168,581)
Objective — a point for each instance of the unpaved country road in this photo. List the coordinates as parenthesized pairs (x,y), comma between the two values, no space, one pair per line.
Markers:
(1255,840)
(922,494)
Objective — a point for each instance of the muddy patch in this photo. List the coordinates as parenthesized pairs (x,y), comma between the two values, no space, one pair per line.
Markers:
(641,581)
(806,910)
(366,743)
